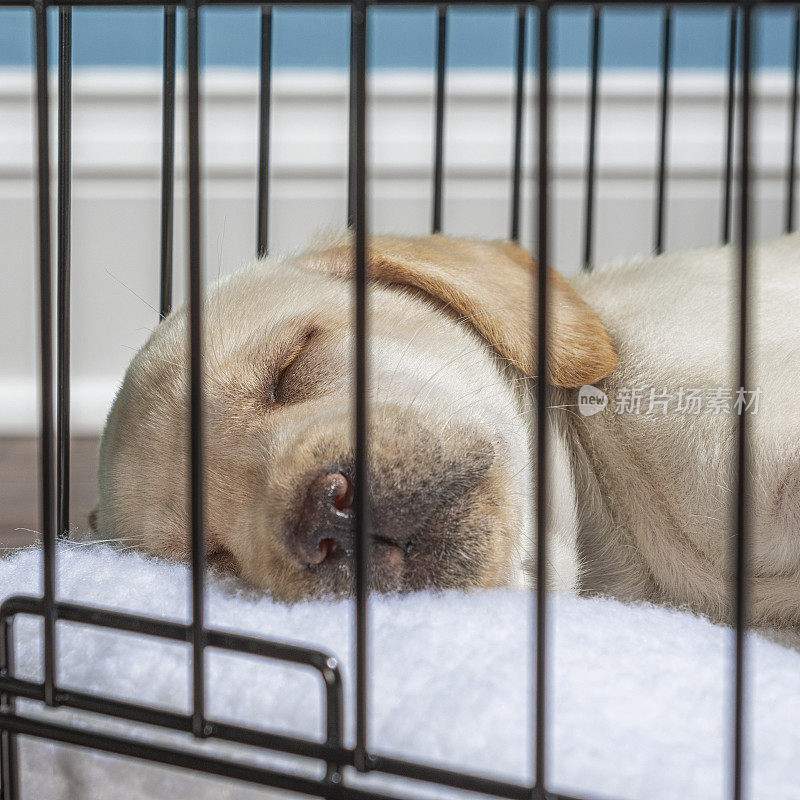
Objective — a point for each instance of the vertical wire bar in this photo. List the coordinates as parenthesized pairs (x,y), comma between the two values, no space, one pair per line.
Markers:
(438,148)
(167,161)
(9,761)
(519,102)
(358,66)
(48,521)
(334,724)
(64,267)
(790,177)
(264,107)
(741,510)
(666,48)
(351,143)
(541,404)
(588,231)
(731,104)
(196,375)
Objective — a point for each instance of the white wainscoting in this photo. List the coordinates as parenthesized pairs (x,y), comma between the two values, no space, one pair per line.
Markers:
(115,190)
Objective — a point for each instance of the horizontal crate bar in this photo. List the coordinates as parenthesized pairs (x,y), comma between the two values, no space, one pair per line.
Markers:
(181,723)
(181,632)
(200,762)
(176,631)
(305,748)
(458,780)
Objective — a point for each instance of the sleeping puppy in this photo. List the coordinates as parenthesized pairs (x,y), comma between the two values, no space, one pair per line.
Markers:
(639,495)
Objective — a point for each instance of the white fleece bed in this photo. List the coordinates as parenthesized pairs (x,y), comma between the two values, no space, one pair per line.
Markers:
(639,704)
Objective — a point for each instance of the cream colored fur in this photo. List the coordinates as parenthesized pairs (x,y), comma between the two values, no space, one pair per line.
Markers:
(640,503)
(655,491)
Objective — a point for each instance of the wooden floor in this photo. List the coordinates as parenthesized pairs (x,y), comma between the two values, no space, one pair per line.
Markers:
(19,488)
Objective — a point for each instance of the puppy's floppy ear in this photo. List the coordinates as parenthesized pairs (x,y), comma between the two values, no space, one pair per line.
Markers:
(488,284)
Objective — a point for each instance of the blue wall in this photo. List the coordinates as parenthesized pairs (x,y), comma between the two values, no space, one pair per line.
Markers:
(399,37)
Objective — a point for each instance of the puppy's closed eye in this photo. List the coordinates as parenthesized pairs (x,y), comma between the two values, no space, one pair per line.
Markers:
(286,388)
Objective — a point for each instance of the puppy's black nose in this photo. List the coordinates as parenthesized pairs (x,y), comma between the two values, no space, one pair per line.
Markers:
(324,524)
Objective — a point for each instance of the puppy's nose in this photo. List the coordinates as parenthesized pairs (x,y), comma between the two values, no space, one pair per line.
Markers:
(324,525)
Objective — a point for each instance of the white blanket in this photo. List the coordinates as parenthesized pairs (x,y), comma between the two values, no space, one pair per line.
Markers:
(639,696)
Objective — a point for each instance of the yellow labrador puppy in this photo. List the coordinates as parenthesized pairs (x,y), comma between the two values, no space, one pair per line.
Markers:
(642,413)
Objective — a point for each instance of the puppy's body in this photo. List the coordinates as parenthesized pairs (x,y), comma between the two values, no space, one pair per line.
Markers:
(640,502)
(655,489)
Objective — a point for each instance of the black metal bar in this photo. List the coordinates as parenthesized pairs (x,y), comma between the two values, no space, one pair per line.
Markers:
(199,762)
(167,162)
(666,58)
(264,107)
(456,780)
(9,757)
(792,171)
(48,521)
(588,232)
(729,119)
(181,632)
(326,665)
(134,712)
(742,451)
(334,721)
(273,741)
(438,146)
(269,740)
(358,136)
(64,265)
(542,253)
(519,103)
(173,631)
(351,119)
(173,757)
(195,372)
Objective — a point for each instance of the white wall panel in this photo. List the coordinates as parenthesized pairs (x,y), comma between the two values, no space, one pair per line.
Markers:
(116,153)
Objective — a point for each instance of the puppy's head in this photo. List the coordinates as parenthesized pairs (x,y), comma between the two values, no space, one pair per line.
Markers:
(449,354)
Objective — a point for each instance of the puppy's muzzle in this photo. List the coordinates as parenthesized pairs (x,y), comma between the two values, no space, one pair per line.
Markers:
(325,522)
(412,514)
